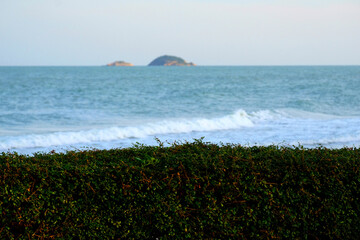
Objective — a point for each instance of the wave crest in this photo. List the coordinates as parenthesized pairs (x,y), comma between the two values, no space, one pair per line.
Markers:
(236,120)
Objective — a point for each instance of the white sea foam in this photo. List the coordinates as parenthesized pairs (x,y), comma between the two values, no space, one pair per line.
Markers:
(342,141)
(281,127)
(239,119)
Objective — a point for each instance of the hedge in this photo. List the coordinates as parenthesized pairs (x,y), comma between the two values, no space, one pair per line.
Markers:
(191,190)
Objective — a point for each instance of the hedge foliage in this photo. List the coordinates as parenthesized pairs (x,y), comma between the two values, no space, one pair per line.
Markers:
(190,190)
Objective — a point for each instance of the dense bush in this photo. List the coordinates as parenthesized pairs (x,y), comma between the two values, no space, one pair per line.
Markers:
(192,190)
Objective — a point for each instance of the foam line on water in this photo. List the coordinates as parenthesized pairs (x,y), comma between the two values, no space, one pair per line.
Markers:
(236,120)
(341,141)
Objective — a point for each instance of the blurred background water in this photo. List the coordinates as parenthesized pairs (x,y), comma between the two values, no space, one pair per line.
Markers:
(67,108)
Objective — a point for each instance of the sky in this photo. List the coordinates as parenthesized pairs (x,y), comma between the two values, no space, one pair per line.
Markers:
(206,32)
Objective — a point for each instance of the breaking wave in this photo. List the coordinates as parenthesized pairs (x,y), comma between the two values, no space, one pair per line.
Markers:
(239,119)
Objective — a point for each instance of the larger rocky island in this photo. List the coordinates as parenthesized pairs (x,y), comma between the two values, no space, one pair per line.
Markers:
(167,60)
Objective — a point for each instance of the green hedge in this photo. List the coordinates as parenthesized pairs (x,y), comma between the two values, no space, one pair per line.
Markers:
(192,190)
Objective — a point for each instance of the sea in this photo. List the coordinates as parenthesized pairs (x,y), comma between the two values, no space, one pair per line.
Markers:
(44,109)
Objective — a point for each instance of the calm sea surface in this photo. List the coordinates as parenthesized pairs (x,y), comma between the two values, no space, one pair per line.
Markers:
(67,108)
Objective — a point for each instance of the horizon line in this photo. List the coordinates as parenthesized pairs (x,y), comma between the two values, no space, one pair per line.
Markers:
(225,65)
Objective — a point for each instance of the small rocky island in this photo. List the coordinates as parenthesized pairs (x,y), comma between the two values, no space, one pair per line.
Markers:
(170,61)
(119,64)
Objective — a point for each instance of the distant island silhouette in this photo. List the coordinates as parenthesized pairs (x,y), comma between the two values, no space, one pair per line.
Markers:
(167,60)
(119,64)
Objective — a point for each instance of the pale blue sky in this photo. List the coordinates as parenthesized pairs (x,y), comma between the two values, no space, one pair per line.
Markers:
(89,32)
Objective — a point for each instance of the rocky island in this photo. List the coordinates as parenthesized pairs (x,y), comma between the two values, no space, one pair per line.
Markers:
(119,64)
(170,61)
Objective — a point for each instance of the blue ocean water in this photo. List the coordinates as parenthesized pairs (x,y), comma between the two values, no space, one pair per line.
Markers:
(67,108)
